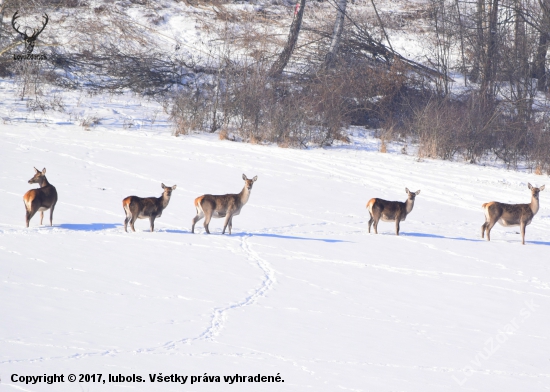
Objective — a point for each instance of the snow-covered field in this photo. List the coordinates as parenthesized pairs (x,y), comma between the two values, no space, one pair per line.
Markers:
(300,289)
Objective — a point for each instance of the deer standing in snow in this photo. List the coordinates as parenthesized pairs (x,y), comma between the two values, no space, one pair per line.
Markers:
(146,207)
(390,211)
(40,199)
(511,214)
(222,206)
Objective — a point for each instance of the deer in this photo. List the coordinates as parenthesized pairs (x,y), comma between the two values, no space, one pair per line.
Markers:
(29,40)
(390,211)
(146,207)
(40,199)
(511,214)
(222,206)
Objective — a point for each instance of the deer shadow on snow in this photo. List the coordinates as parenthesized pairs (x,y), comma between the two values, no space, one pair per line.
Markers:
(427,235)
(286,237)
(89,226)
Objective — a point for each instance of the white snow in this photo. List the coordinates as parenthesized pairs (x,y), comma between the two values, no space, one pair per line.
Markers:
(299,289)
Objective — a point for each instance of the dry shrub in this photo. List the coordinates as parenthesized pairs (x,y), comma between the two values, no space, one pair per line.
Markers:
(260,109)
(188,112)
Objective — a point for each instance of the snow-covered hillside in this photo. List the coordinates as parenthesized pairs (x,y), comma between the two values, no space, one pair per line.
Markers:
(299,290)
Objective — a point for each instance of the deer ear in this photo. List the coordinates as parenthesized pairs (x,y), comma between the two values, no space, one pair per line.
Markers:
(36,170)
(44,171)
(244,177)
(255,178)
(407,190)
(174,187)
(417,192)
(162,185)
(529,185)
(542,187)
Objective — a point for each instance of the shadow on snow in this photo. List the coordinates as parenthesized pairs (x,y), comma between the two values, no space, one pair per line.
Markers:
(88,226)
(427,235)
(287,237)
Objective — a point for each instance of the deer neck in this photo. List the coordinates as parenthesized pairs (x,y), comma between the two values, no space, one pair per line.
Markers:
(534,205)
(409,204)
(244,195)
(43,182)
(164,200)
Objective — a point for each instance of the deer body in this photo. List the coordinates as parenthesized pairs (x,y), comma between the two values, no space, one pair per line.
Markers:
(222,206)
(146,207)
(41,199)
(390,211)
(511,214)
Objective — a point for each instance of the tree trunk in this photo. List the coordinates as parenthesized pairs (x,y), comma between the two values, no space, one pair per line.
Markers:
(540,61)
(487,82)
(520,77)
(479,53)
(330,58)
(279,65)
(539,71)
(1,16)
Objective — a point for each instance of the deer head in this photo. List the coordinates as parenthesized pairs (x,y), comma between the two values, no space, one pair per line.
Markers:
(29,40)
(168,189)
(412,195)
(248,183)
(38,176)
(535,191)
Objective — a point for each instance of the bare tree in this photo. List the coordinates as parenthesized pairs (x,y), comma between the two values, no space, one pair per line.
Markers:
(330,57)
(539,71)
(280,64)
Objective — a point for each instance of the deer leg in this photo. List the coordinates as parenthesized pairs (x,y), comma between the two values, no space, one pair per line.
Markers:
(483,228)
(227,220)
(197,218)
(28,217)
(523,226)
(207,218)
(375,224)
(30,212)
(397,220)
(152,220)
(132,221)
(230,225)
(51,215)
(126,220)
(488,229)
(370,221)
(134,214)
(41,217)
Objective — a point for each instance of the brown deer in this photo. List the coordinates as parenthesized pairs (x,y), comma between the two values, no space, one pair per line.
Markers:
(40,199)
(390,211)
(146,207)
(222,206)
(511,214)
